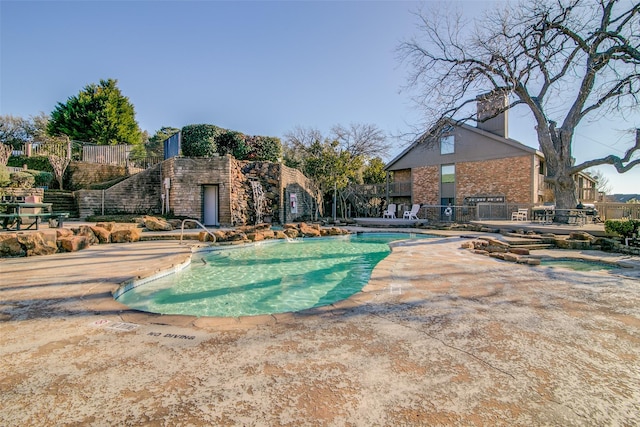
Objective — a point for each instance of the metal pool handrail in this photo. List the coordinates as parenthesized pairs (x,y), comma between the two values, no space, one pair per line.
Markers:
(200,224)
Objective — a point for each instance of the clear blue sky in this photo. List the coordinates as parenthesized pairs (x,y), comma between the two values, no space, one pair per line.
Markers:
(259,67)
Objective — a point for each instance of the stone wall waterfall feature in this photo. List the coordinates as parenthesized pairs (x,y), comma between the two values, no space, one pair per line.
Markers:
(258,199)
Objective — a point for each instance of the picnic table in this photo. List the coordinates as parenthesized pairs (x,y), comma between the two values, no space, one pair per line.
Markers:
(14,214)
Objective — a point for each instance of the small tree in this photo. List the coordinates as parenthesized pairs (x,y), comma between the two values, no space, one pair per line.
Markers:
(55,146)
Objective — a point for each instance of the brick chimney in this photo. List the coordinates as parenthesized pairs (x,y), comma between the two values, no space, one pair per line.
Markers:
(488,105)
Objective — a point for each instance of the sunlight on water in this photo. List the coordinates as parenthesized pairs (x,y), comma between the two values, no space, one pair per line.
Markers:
(268,278)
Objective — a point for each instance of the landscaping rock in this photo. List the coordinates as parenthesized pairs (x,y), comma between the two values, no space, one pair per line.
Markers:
(125,235)
(109,226)
(153,223)
(34,244)
(63,232)
(291,233)
(10,247)
(533,261)
(519,251)
(581,235)
(255,236)
(508,256)
(73,243)
(86,231)
(102,234)
(309,230)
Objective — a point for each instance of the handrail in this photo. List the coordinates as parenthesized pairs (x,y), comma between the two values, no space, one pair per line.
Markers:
(200,224)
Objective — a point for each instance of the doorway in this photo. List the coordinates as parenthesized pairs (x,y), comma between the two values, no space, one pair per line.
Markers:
(210,205)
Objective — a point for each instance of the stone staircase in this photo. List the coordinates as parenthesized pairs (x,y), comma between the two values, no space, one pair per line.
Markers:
(531,243)
(63,201)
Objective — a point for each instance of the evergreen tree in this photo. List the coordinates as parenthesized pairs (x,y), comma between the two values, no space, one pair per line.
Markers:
(99,114)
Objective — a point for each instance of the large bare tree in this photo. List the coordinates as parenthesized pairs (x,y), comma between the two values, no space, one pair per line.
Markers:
(563,60)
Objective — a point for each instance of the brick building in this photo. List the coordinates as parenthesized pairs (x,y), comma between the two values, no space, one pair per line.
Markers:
(465,165)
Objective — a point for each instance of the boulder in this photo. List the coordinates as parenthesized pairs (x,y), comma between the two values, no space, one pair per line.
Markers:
(156,224)
(581,235)
(10,247)
(86,231)
(533,261)
(125,235)
(255,236)
(269,234)
(291,233)
(63,232)
(73,243)
(519,251)
(34,244)
(109,226)
(280,234)
(221,236)
(309,231)
(510,257)
(102,234)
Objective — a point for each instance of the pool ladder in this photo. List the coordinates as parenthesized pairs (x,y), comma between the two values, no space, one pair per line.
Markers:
(200,224)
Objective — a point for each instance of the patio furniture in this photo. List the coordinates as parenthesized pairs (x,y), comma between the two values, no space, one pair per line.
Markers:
(390,212)
(520,215)
(413,213)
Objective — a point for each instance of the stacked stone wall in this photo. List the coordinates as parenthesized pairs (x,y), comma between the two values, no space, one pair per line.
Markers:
(81,174)
(510,177)
(140,193)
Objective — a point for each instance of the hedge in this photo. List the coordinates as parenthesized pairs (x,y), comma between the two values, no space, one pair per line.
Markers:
(209,140)
(623,228)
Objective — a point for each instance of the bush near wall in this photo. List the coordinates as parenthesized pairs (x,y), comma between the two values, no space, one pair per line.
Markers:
(623,228)
(210,140)
(200,140)
(37,163)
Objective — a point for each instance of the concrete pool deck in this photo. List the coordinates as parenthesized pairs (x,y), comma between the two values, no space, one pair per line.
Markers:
(440,336)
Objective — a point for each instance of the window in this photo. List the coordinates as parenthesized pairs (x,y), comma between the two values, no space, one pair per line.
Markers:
(448,174)
(447,144)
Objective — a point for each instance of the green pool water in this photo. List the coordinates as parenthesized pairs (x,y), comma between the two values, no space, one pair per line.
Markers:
(268,278)
(577,264)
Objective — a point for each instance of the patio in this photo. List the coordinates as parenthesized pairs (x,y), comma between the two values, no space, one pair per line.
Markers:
(440,336)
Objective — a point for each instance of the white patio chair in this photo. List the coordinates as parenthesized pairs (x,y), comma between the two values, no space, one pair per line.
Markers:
(413,213)
(390,212)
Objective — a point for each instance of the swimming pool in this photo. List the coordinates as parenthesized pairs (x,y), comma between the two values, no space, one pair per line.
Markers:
(267,278)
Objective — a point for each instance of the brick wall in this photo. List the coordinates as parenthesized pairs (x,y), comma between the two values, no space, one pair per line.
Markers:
(188,175)
(82,174)
(510,177)
(426,185)
(138,194)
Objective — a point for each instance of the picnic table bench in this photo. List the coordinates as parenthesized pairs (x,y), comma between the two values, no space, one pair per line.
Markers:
(14,214)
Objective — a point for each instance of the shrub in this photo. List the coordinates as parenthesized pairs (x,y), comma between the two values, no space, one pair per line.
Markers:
(42,178)
(623,228)
(234,143)
(200,140)
(22,180)
(36,163)
(265,148)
